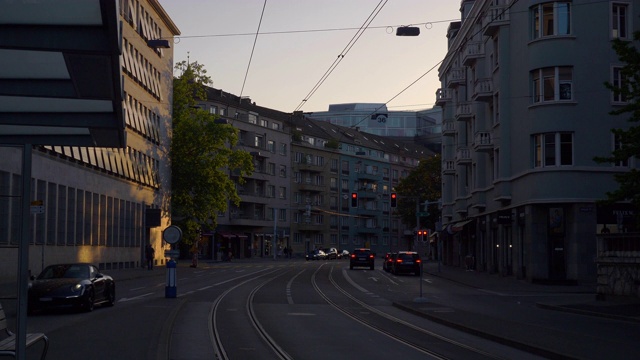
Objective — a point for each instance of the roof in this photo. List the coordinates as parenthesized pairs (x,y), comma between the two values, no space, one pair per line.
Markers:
(60,74)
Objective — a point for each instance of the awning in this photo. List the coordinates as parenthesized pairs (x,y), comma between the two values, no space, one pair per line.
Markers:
(231,235)
(60,73)
(457,226)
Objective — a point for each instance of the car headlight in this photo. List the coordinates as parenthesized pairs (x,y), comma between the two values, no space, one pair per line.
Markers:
(76,288)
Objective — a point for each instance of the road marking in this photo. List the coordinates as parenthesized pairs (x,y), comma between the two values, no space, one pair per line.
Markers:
(135,297)
(374,279)
(301,314)
(138,288)
(427,280)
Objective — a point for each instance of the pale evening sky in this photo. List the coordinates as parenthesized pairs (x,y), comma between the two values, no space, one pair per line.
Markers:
(299,41)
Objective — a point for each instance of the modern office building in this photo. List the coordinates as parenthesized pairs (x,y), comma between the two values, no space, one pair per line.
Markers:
(377,119)
(98,204)
(525,112)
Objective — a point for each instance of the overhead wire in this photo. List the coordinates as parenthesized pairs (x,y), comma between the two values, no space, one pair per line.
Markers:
(344,52)
(255,40)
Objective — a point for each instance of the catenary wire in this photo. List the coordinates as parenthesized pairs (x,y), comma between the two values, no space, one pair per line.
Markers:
(255,40)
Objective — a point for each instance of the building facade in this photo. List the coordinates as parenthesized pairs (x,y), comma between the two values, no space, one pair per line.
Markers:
(103,205)
(376,119)
(525,112)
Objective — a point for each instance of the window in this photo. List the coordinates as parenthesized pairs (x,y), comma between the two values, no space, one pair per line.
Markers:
(275,126)
(553,149)
(282,193)
(283,171)
(258,142)
(223,112)
(618,81)
(283,149)
(551,19)
(620,20)
(552,84)
(271,146)
(213,110)
(252,118)
(271,191)
(271,169)
(617,145)
(264,123)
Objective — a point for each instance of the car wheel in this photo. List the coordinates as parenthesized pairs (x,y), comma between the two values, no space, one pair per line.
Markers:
(89,302)
(371,267)
(350,267)
(111,296)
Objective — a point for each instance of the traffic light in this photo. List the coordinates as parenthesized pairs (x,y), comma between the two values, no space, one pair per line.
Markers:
(354,200)
(394,200)
(423,235)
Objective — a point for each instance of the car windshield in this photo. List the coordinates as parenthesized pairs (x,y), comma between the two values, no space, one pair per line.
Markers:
(64,271)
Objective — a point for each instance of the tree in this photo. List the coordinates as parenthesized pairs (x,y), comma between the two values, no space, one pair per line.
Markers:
(629,139)
(202,156)
(423,184)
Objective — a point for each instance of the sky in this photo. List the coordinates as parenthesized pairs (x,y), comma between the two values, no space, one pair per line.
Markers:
(302,42)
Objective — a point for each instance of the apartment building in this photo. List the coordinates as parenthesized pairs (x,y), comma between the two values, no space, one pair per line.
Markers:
(99,204)
(248,230)
(525,112)
(331,165)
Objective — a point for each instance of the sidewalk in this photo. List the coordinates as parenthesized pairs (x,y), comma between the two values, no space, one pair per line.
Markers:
(550,340)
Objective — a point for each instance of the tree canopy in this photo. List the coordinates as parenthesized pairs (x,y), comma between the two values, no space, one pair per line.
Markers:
(202,156)
(422,184)
(629,139)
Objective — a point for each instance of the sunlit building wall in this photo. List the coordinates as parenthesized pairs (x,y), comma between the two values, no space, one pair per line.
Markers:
(96,200)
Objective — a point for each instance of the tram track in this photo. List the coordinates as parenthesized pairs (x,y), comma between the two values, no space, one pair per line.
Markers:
(390,319)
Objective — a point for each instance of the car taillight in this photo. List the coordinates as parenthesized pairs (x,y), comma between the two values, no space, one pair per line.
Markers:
(399,260)
(353,255)
(370,256)
(418,261)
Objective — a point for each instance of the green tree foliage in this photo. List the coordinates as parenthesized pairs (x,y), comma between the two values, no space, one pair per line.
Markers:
(629,139)
(202,156)
(422,184)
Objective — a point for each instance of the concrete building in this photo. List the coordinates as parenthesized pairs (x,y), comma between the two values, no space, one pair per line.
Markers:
(525,112)
(331,164)
(102,205)
(248,230)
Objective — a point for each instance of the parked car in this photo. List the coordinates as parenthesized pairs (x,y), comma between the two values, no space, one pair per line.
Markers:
(343,254)
(76,285)
(362,257)
(388,261)
(331,253)
(316,255)
(406,262)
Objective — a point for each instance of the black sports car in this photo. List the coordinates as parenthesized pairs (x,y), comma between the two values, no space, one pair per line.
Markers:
(71,285)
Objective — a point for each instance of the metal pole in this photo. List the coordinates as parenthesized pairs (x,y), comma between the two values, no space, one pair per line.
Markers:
(275,225)
(23,256)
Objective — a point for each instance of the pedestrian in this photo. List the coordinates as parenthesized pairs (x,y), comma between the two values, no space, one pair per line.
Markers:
(150,253)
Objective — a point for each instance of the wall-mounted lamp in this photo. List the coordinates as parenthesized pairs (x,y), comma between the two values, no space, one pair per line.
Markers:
(408,31)
(158,43)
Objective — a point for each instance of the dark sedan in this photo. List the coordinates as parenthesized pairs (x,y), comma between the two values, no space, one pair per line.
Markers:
(79,285)
(316,255)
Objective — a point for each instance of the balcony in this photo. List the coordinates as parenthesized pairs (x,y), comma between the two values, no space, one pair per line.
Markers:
(463,111)
(455,77)
(310,187)
(443,96)
(496,16)
(483,90)
(483,141)
(448,128)
(473,51)
(448,167)
(463,156)
(304,166)
(368,175)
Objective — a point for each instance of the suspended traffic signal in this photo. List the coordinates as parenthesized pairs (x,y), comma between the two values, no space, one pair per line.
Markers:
(394,200)
(354,200)
(423,235)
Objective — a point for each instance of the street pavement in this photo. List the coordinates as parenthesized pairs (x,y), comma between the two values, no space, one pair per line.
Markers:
(513,333)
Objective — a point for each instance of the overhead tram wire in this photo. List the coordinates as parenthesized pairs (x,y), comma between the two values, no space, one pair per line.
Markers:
(344,52)
(253,48)
(431,69)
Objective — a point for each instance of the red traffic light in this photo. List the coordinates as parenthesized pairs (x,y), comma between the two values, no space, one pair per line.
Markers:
(394,200)
(354,199)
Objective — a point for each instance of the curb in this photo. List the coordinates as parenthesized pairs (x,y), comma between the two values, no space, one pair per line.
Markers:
(473,331)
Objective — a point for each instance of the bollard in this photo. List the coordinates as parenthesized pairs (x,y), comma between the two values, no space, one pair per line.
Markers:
(170,289)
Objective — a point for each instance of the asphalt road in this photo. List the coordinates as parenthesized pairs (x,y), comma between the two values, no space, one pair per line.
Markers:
(263,310)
